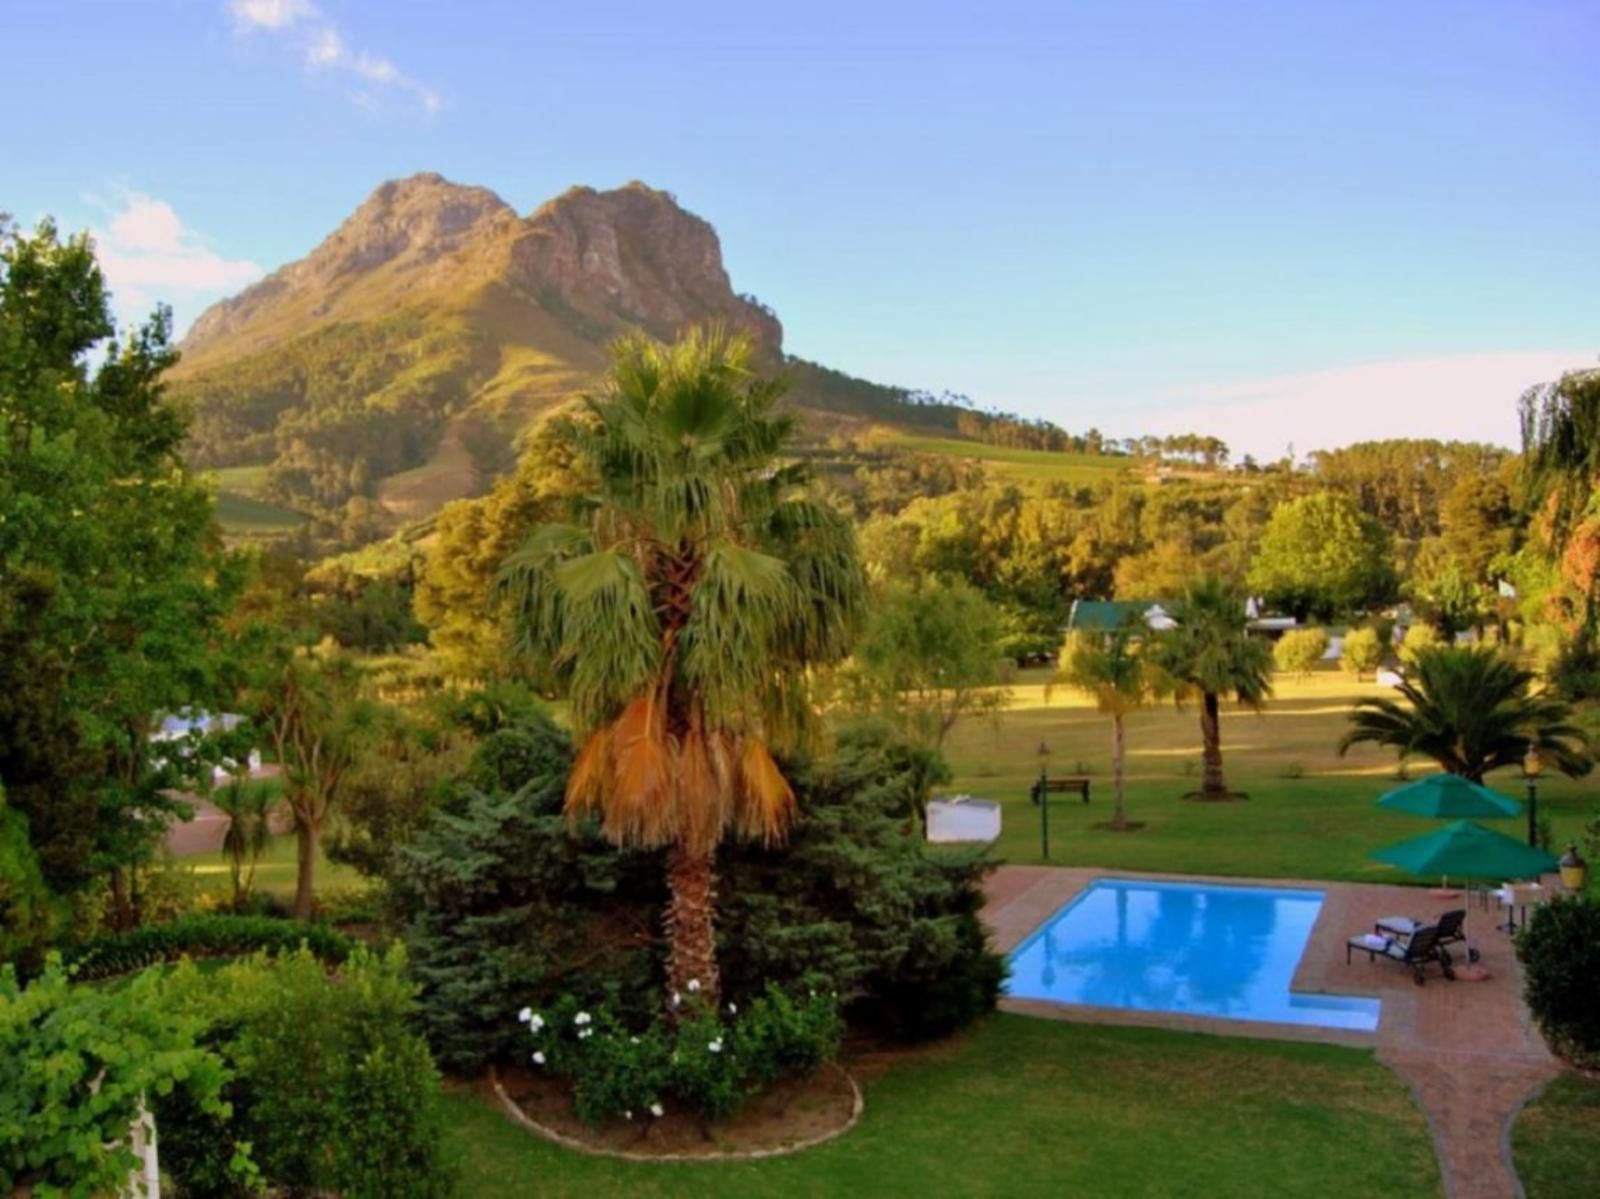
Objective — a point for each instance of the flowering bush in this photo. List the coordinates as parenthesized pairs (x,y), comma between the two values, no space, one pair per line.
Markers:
(709,1062)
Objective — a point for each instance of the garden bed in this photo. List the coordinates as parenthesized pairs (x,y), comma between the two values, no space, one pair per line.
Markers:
(791,1115)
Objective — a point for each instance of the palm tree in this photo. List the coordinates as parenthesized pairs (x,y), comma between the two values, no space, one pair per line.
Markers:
(1112,669)
(1209,652)
(1472,711)
(248,807)
(681,614)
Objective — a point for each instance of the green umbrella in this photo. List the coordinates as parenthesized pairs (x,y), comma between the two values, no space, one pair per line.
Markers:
(1467,850)
(1448,797)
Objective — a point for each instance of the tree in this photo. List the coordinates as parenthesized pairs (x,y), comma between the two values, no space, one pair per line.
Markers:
(248,806)
(1419,639)
(112,578)
(1472,711)
(929,655)
(1320,554)
(1114,669)
(1362,652)
(1561,467)
(681,616)
(1209,652)
(1299,650)
(317,721)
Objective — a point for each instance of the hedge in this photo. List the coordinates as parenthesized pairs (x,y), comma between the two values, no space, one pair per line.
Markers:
(207,935)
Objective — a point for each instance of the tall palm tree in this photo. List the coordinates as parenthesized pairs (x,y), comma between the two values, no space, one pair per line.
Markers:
(1472,711)
(681,613)
(1114,670)
(1209,652)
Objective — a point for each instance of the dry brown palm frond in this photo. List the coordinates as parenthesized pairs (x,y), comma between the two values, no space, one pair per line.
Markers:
(703,798)
(639,809)
(590,780)
(766,802)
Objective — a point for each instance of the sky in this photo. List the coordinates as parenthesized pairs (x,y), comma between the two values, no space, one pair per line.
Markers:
(1276,222)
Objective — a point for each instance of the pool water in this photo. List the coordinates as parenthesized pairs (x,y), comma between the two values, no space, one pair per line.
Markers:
(1201,949)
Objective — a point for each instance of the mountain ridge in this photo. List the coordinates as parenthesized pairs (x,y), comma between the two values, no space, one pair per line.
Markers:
(393,367)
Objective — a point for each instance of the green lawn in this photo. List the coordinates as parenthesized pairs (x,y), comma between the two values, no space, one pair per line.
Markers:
(275,873)
(242,480)
(1020,1106)
(1310,813)
(1556,1141)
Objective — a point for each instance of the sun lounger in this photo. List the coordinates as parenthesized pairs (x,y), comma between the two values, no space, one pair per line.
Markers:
(1417,951)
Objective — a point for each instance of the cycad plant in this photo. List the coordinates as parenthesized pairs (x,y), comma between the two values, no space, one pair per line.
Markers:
(1209,652)
(681,613)
(1471,710)
(248,806)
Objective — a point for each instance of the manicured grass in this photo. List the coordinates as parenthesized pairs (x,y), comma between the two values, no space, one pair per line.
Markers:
(1310,813)
(1556,1141)
(1030,466)
(275,873)
(242,480)
(1020,1106)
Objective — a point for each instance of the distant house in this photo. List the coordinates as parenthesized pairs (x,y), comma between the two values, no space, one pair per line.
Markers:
(181,726)
(1101,616)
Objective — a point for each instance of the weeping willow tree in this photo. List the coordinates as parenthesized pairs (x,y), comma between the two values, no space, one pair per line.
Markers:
(681,614)
(1561,464)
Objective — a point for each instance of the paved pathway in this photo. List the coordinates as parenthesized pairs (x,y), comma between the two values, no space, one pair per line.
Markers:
(1467,1050)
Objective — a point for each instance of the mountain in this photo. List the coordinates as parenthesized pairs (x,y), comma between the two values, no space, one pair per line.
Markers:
(401,358)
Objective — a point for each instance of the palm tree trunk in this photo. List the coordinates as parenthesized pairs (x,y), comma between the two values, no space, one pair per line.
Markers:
(306,857)
(1212,785)
(1119,817)
(691,932)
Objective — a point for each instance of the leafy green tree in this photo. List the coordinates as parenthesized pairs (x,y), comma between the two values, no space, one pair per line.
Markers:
(1472,711)
(928,655)
(26,918)
(1362,652)
(683,613)
(112,579)
(1561,457)
(1320,554)
(1298,651)
(1209,652)
(1114,669)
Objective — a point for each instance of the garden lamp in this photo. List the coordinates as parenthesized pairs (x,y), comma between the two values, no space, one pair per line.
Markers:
(1574,870)
(1530,768)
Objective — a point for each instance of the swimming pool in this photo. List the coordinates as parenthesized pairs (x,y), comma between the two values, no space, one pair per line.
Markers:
(1202,949)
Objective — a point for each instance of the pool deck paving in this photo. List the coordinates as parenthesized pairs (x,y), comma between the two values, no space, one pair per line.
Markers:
(1467,1050)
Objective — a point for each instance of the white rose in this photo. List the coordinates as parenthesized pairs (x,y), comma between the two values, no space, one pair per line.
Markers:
(536,1023)
(715,1046)
(525,1015)
(657,1110)
(538,1058)
(694,985)
(581,1018)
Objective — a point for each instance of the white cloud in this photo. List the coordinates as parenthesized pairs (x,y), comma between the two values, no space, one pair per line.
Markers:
(149,256)
(270,14)
(1465,397)
(324,48)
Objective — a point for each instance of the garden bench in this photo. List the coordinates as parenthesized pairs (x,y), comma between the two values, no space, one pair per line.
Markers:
(1077,783)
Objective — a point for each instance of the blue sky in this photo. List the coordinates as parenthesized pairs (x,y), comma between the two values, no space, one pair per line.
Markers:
(1269,220)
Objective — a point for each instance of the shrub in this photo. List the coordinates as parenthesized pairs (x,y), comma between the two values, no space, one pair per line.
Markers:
(333,1091)
(1362,652)
(710,1062)
(1419,638)
(1560,955)
(80,1063)
(26,916)
(1299,650)
(214,935)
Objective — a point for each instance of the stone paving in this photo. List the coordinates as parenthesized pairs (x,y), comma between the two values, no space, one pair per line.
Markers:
(1466,1049)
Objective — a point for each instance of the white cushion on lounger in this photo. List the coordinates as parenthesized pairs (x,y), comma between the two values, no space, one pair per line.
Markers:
(1403,925)
(1371,941)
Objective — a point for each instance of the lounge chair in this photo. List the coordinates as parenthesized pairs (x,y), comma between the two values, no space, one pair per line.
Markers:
(1452,928)
(1417,951)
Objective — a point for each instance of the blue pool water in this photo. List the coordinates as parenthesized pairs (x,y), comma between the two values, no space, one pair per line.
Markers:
(1196,948)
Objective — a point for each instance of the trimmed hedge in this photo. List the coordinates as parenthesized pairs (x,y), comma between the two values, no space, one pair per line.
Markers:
(1559,949)
(206,935)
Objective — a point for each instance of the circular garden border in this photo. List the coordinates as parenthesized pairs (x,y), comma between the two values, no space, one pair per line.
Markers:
(518,1116)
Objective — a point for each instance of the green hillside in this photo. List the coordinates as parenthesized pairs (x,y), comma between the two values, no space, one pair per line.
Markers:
(1018,465)
(240,515)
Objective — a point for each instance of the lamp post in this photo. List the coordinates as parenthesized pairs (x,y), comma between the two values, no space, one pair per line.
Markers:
(1530,768)
(1044,799)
